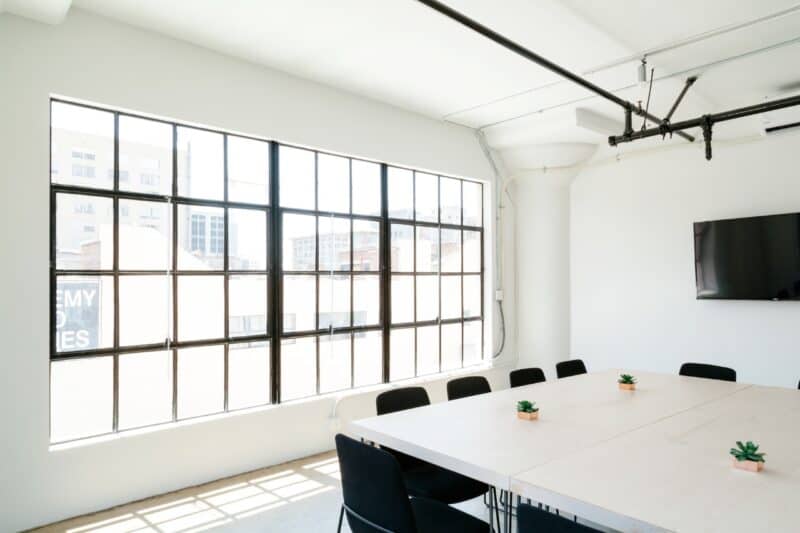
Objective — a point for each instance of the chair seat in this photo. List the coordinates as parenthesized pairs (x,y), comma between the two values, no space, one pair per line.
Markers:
(435,517)
(440,484)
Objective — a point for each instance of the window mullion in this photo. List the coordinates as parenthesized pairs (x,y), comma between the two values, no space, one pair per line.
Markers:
(385,271)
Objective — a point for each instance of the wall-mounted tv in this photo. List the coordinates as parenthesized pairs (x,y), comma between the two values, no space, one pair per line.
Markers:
(756,258)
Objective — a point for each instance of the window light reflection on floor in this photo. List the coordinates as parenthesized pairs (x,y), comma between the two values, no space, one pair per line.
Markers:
(228,500)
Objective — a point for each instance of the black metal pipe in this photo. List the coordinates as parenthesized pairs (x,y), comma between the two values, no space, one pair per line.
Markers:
(689,82)
(701,121)
(539,60)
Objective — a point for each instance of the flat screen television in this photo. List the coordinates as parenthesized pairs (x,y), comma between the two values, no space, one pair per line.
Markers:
(756,258)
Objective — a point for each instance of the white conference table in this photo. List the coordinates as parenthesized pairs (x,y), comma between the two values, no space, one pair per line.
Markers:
(583,419)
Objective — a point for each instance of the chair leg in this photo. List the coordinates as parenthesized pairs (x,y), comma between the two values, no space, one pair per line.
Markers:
(496,507)
(341,516)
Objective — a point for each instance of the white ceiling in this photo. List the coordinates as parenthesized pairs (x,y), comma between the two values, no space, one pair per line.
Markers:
(405,54)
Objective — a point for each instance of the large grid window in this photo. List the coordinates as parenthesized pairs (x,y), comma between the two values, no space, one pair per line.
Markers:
(240,272)
(436,280)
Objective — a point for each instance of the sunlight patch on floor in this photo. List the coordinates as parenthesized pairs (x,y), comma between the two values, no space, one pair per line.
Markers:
(215,504)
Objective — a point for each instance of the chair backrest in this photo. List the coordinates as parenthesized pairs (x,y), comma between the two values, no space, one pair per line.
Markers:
(526,376)
(467,386)
(373,489)
(702,370)
(534,520)
(401,399)
(573,367)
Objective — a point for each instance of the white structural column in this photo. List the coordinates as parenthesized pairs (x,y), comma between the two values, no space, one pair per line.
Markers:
(543,280)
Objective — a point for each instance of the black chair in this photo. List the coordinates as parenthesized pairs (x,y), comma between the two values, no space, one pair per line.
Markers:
(376,500)
(702,370)
(573,367)
(424,479)
(533,520)
(467,386)
(395,400)
(526,376)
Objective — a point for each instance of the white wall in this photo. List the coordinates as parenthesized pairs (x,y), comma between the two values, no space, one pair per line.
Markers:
(632,262)
(91,58)
(541,206)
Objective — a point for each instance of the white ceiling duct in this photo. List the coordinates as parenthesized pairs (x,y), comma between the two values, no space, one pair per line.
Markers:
(46,11)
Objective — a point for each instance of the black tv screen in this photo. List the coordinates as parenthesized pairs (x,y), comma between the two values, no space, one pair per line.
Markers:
(756,258)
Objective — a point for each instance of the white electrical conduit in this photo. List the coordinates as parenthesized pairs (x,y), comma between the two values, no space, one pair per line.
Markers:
(498,246)
(650,52)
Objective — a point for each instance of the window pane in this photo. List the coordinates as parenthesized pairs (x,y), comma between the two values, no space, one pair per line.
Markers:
(366,187)
(334,301)
(144,310)
(334,243)
(247,239)
(368,358)
(427,298)
(81,397)
(248,375)
(145,389)
(402,299)
(366,300)
(426,193)
(200,164)
(145,155)
(366,243)
(84,313)
(201,237)
(299,303)
(401,354)
(201,381)
(333,178)
(472,251)
(297,177)
(201,307)
(450,200)
(451,297)
(401,193)
(247,305)
(298,368)
(82,146)
(427,350)
(299,242)
(402,248)
(427,249)
(248,170)
(451,250)
(473,203)
(84,232)
(472,296)
(473,342)
(145,235)
(334,362)
(451,346)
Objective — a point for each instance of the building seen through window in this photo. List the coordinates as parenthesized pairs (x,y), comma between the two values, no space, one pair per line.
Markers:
(245,272)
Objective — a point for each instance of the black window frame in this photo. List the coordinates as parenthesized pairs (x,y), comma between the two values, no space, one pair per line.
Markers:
(274,272)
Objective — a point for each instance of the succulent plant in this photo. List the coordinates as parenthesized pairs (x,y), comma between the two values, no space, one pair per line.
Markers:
(747,452)
(626,379)
(525,406)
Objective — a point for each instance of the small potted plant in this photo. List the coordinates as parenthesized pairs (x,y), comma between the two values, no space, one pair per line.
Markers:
(627,382)
(747,457)
(527,410)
